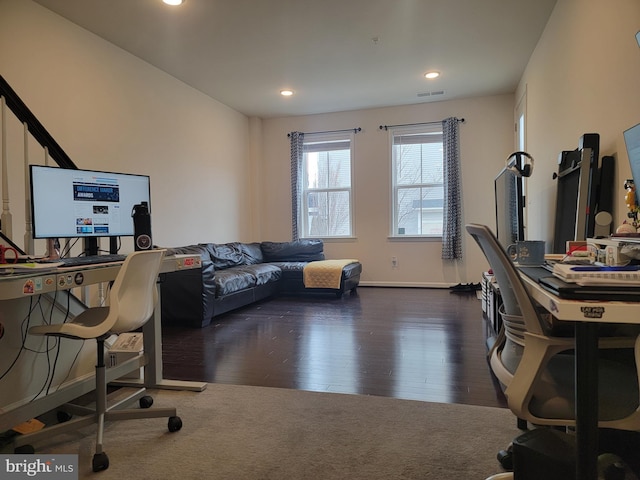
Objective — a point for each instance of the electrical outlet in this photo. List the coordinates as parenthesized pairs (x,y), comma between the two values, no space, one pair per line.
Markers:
(394,262)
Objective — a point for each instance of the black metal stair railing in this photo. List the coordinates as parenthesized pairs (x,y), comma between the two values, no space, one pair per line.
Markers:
(36,129)
(46,141)
(42,136)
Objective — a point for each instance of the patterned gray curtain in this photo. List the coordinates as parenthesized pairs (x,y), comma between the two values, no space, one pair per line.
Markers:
(452,218)
(297,139)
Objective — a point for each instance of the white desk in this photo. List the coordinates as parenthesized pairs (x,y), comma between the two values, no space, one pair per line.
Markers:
(587,315)
(27,285)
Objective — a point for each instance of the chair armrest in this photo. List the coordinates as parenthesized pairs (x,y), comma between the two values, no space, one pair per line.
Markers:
(539,349)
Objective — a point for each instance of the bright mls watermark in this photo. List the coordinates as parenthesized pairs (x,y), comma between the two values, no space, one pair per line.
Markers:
(51,467)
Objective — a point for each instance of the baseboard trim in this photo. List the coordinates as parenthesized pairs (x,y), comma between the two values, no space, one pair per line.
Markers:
(405,284)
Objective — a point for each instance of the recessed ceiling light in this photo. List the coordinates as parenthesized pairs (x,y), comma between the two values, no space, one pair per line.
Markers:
(432,74)
(173,2)
(286,92)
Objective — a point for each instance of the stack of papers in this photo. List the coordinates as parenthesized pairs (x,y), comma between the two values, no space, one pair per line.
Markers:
(598,275)
(35,268)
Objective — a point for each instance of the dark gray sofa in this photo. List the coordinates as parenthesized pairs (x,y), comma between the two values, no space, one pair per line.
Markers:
(236,274)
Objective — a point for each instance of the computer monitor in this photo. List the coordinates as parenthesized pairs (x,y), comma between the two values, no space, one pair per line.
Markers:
(68,203)
(509,199)
(632,141)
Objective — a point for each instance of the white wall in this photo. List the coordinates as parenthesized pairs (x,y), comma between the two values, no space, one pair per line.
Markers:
(486,139)
(583,77)
(217,175)
(111,111)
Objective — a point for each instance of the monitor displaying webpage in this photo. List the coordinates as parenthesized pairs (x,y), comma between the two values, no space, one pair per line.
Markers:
(79,203)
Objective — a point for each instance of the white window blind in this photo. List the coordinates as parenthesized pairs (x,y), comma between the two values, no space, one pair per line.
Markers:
(417,176)
(326,209)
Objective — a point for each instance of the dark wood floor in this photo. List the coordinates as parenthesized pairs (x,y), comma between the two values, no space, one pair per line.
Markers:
(418,344)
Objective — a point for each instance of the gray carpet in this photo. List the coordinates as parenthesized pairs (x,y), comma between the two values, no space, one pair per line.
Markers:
(241,432)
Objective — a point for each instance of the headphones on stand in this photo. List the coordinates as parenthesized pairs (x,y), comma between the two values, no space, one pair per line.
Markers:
(521,163)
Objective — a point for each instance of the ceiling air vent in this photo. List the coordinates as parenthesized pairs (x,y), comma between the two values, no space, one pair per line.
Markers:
(431,94)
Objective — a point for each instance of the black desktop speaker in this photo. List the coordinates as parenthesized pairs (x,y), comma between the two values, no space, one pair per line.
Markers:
(605,192)
(141,227)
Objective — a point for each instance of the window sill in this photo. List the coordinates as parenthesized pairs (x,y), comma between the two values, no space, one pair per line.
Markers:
(333,239)
(414,238)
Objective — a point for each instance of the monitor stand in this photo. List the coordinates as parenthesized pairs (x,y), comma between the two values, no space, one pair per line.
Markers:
(113,245)
(53,249)
(91,246)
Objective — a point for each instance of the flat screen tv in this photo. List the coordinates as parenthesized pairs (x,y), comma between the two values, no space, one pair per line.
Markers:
(509,199)
(68,203)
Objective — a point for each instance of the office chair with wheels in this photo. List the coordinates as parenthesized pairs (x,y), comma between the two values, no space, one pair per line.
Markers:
(535,364)
(132,299)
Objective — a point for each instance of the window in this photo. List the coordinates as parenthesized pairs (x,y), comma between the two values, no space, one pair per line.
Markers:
(418,190)
(326,208)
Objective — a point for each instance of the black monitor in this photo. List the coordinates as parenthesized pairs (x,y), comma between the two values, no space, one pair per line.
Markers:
(68,203)
(509,197)
(632,141)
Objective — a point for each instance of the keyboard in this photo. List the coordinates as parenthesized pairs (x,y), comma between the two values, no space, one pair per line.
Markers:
(86,260)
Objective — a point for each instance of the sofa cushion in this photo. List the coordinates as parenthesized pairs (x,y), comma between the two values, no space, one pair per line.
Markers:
(225,255)
(232,280)
(294,270)
(251,253)
(263,272)
(290,270)
(305,250)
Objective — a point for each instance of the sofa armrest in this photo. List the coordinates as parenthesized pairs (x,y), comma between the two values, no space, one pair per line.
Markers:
(187,296)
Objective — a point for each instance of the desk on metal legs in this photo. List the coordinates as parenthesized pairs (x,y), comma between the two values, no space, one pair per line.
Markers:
(25,285)
(587,315)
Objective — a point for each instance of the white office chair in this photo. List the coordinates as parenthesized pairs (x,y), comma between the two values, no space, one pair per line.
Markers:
(132,299)
(535,366)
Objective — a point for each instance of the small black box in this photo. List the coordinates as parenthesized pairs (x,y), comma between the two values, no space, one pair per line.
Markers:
(544,453)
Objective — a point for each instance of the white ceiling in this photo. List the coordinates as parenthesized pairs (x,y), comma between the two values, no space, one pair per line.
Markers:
(336,55)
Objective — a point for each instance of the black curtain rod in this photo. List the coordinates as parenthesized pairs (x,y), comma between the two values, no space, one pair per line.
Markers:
(387,127)
(354,130)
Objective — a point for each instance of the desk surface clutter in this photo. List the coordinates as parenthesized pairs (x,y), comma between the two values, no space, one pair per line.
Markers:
(598,274)
(602,276)
(581,287)
(32,267)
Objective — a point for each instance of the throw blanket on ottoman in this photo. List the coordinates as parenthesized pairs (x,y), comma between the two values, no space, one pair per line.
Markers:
(325,273)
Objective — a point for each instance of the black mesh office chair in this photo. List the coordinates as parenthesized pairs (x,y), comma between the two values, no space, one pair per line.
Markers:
(535,365)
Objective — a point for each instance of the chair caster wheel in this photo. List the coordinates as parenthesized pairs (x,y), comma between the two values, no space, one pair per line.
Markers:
(611,467)
(146,401)
(175,424)
(505,457)
(522,424)
(614,472)
(100,462)
(63,416)
(24,450)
